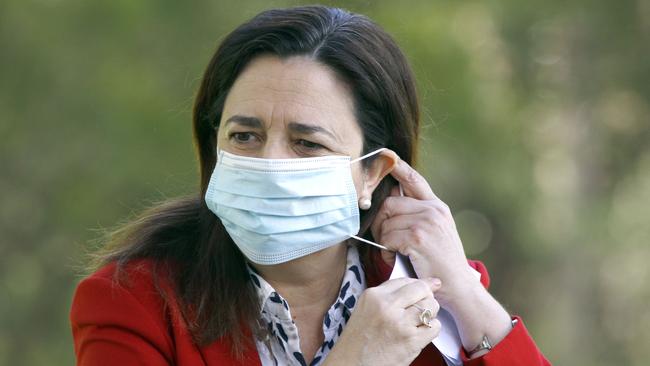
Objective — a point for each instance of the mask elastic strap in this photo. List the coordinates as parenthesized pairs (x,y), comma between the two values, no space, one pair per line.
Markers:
(401,193)
(368,155)
(370,242)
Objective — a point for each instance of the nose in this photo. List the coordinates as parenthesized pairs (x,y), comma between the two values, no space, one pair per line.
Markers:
(277,148)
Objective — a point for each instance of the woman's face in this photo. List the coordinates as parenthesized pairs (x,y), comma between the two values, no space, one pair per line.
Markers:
(292,108)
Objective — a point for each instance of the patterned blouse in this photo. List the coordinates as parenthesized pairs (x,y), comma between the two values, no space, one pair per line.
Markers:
(283,345)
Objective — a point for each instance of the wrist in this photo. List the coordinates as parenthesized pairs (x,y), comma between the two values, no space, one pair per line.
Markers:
(461,291)
(486,345)
(478,314)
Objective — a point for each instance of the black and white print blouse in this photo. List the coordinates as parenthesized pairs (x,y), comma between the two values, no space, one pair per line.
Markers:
(283,346)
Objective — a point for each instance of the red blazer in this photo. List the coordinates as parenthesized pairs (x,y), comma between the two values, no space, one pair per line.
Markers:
(129,325)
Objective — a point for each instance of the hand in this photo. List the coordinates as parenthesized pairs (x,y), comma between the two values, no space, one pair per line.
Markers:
(385,327)
(420,226)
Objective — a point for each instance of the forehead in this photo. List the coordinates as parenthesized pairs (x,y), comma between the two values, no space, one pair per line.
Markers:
(292,89)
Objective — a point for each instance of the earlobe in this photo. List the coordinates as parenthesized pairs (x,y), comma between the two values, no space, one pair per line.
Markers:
(365,203)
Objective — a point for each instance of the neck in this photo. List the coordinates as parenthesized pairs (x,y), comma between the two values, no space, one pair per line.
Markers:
(312,281)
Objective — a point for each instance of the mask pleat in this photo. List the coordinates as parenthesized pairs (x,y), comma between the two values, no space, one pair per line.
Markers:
(273,224)
(279,185)
(281,206)
(288,244)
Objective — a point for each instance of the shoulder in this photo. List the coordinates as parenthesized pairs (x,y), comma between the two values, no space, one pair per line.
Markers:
(122,307)
(111,286)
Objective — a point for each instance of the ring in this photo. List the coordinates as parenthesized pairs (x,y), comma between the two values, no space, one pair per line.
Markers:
(426,316)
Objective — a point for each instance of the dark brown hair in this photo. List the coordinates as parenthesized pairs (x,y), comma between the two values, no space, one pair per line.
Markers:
(209,273)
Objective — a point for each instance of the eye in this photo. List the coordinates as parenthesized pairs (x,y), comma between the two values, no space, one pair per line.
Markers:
(242,137)
(310,145)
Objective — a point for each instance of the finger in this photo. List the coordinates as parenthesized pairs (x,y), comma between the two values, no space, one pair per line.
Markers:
(393,206)
(395,240)
(424,219)
(388,257)
(403,205)
(430,333)
(411,293)
(412,182)
(428,303)
(423,334)
(434,330)
(399,240)
(413,312)
(394,284)
(401,222)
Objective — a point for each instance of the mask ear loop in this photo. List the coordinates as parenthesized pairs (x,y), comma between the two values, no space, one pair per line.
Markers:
(368,155)
(370,242)
(401,193)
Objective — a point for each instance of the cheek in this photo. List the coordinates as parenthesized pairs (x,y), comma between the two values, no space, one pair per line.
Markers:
(358,178)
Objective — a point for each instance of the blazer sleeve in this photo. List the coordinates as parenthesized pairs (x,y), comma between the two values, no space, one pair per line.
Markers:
(111,326)
(516,349)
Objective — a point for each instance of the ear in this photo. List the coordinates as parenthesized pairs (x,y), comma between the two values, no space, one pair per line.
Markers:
(380,167)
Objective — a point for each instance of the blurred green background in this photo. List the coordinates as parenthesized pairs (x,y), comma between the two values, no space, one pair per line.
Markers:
(537,134)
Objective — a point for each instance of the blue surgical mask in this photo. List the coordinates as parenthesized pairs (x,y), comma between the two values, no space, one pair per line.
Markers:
(276,210)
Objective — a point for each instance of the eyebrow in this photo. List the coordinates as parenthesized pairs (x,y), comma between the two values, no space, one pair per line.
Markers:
(303,128)
(245,121)
(308,129)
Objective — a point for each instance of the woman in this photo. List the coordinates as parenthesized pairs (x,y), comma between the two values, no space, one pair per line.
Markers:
(304,116)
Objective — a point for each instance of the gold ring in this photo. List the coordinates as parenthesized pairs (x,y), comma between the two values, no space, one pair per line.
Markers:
(426,316)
